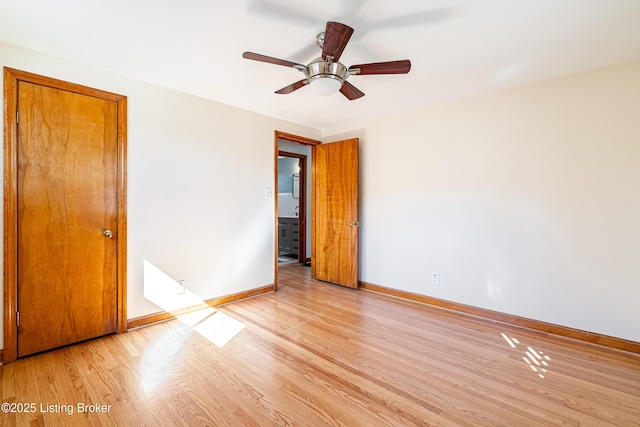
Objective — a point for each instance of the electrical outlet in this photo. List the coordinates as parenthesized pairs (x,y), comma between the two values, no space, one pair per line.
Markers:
(435,279)
(181,289)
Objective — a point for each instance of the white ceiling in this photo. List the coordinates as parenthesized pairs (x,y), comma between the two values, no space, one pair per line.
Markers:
(458,48)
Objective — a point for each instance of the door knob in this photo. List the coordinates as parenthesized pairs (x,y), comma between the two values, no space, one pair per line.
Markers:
(108,234)
(354,224)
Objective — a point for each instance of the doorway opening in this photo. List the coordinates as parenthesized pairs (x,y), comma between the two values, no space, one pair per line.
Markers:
(333,213)
(293,213)
(292,207)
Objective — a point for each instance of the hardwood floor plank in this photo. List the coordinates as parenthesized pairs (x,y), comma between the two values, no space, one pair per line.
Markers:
(314,354)
(325,384)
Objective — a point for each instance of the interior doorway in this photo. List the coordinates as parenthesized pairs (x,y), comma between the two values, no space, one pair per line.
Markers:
(292,207)
(334,199)
(293,213)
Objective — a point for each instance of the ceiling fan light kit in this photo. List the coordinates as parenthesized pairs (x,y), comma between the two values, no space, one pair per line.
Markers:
(325,85)
(326,75)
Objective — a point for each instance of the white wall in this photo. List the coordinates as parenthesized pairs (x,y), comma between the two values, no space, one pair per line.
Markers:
(184,215)
(525,202)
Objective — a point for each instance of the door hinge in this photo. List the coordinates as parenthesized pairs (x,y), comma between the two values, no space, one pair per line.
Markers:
(17,319)
(17,116)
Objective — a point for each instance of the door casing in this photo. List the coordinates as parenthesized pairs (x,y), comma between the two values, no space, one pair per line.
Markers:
(302,212)
(11,79)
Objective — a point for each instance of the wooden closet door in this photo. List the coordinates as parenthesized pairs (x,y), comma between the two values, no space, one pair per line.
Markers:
(66,217)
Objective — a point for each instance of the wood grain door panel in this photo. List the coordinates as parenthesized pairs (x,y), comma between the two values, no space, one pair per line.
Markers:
(335,184)
(67,198)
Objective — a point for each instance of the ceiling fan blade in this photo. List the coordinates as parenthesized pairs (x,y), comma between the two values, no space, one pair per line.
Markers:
(336,37)
(390,67)
(350,91)
(269,59)
(293,86)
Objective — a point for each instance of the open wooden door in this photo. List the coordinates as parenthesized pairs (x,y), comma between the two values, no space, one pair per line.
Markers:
(335,213)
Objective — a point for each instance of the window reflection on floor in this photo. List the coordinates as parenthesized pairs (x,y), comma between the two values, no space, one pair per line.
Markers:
(535,359)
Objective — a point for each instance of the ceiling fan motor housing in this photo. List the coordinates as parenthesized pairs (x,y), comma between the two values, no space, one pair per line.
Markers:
(320,68)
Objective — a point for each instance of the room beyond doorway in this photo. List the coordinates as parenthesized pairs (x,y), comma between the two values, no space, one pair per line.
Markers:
(293,213)
(292,207)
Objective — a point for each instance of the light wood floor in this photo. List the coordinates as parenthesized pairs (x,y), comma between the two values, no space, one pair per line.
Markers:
(314,354)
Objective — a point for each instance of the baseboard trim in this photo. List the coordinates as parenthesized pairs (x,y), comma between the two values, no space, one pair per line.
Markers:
(162,316)
(536,325)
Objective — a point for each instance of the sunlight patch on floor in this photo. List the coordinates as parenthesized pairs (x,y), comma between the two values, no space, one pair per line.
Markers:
(168,294)
(215,326)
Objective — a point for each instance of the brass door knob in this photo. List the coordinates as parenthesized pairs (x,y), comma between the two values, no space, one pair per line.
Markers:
(108,234)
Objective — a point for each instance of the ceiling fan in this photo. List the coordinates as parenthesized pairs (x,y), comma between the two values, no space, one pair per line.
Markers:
(326,75)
